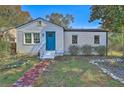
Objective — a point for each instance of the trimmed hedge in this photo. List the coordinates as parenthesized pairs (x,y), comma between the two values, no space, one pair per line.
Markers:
(101,50)
(86,49)
(74,50)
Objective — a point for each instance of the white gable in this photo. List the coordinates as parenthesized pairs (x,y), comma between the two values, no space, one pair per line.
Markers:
(34,25)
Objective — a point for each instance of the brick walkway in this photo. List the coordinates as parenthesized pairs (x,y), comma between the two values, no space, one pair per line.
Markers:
(31,75)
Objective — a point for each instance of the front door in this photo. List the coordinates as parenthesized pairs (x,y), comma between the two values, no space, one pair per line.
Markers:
(50,40)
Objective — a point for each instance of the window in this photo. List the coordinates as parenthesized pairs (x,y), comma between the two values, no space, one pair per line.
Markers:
(36,37)
(39,23)
(96,39)
(28,38)
(32,38)
(74,39)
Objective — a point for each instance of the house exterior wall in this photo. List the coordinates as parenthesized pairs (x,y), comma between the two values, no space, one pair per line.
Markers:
(59,37)
(84,38)
(33,27)
(63,38)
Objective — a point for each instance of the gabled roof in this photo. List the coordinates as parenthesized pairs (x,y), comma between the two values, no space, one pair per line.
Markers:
(85,30)
(33,21)
(66,30)
(36,20)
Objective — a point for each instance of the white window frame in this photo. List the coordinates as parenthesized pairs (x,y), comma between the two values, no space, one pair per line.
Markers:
(32,38)
(24,38)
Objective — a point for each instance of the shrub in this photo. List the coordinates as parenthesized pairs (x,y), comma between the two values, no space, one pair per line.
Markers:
(101,50)
(73,50)
(86,49)
(4,46)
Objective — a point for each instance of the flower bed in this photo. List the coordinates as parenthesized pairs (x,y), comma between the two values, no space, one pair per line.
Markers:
(14,64)
(112,67)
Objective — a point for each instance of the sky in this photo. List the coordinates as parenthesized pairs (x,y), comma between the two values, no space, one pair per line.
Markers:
(81,13)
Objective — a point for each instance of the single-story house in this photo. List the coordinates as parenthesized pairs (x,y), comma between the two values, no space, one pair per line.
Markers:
(47,39)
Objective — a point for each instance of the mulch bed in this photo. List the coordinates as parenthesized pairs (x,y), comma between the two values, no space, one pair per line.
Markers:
(31,75)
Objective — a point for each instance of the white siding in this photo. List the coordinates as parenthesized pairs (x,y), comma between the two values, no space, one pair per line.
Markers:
(84,38)
(63,39)
(59,33)
(32,27)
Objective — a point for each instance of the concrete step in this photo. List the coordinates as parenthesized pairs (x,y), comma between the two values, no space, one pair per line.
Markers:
(49,55)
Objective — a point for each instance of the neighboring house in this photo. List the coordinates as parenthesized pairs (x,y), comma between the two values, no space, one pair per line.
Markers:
(50,40)
(12,34)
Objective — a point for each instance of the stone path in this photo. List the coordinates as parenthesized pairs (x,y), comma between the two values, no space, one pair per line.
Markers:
(31,75)
(108,72)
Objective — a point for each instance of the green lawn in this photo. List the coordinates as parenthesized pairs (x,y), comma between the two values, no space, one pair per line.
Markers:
(115,53)
(10,76)
(75,72)
(67,71)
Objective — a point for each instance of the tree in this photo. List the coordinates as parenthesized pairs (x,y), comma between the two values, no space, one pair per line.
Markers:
(60,19)
(112,19)
(11,16)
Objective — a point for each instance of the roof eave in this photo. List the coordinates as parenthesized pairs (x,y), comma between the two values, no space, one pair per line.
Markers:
(85,30)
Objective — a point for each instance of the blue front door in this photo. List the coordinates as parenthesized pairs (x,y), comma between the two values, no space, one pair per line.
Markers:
(50,40)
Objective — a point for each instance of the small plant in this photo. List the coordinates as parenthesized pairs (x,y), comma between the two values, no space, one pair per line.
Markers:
(73,50)
(113,63)
(38,82)
(86,49)
(101,50)
(16,64)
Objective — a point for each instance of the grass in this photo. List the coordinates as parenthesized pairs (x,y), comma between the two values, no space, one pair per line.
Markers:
(115,53)
(67,71)
(73,71)
(10,76)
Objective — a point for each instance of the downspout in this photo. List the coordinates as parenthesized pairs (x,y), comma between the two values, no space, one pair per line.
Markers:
(106,43)
(123,39)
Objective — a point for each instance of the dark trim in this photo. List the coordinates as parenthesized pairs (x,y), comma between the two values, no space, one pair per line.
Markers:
(21,24)
(50,22)
(106,43)
(35,20)
(26,23)
(32,21)
(85,30)
(65,30)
